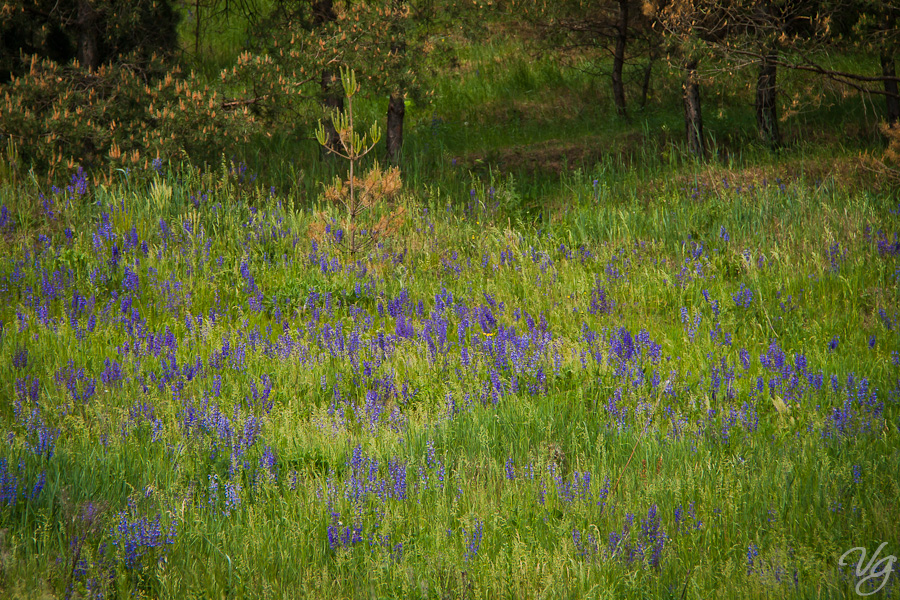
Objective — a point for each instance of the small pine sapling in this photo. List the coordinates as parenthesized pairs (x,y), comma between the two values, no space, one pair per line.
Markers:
(357,195)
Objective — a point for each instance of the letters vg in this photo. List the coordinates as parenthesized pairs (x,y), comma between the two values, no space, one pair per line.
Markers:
(871,571)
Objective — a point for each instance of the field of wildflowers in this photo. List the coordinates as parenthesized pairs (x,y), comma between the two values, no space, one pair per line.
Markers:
(689,397)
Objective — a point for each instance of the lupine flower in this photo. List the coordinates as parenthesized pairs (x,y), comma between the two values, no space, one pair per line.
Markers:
(745,358)
(38,486)
(487,321)
(600,302)
(836,257)
(584,547)
(473,541)
(857,474)
(130,282)
(137,537)
(232,497)
(78,184)
(653,536)
(13,486)
(397,473)
(267,460)
(743,297)
(40,438)
(752,553)
(112,373)
(397,552)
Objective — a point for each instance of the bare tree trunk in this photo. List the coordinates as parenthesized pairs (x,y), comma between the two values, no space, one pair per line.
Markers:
(197,8)
(888,22)
(88,46)
(619,57)
(648,71)
(766,101)
(332,88)
(396,104)
(395,113)
(890,86)
(332,100)
(693,119)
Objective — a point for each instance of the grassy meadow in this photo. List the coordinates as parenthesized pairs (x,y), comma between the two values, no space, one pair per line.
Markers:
(584,366)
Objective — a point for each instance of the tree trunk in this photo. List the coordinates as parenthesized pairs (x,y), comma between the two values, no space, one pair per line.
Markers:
(619,57)
(648,71)
(332,88)
(766,104)
(395,114)
(197,8)
(88,47)
(693,119)
(890,87)
(892,98)
(396,103)
(332,100)
(645,83)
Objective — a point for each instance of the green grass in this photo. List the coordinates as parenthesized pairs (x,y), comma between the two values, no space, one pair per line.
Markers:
(800,471)
(786,487)
(497,114)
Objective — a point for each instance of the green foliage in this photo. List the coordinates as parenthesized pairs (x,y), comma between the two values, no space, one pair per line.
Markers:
(117,117)
(378,40)
(57,29)
(494,102)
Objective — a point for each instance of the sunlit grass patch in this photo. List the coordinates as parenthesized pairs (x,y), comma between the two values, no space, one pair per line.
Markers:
(631,396)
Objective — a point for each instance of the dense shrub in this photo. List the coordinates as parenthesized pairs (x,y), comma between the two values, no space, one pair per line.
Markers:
(118,116)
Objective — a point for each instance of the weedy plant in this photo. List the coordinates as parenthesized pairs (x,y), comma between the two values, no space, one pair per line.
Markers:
(356,195)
